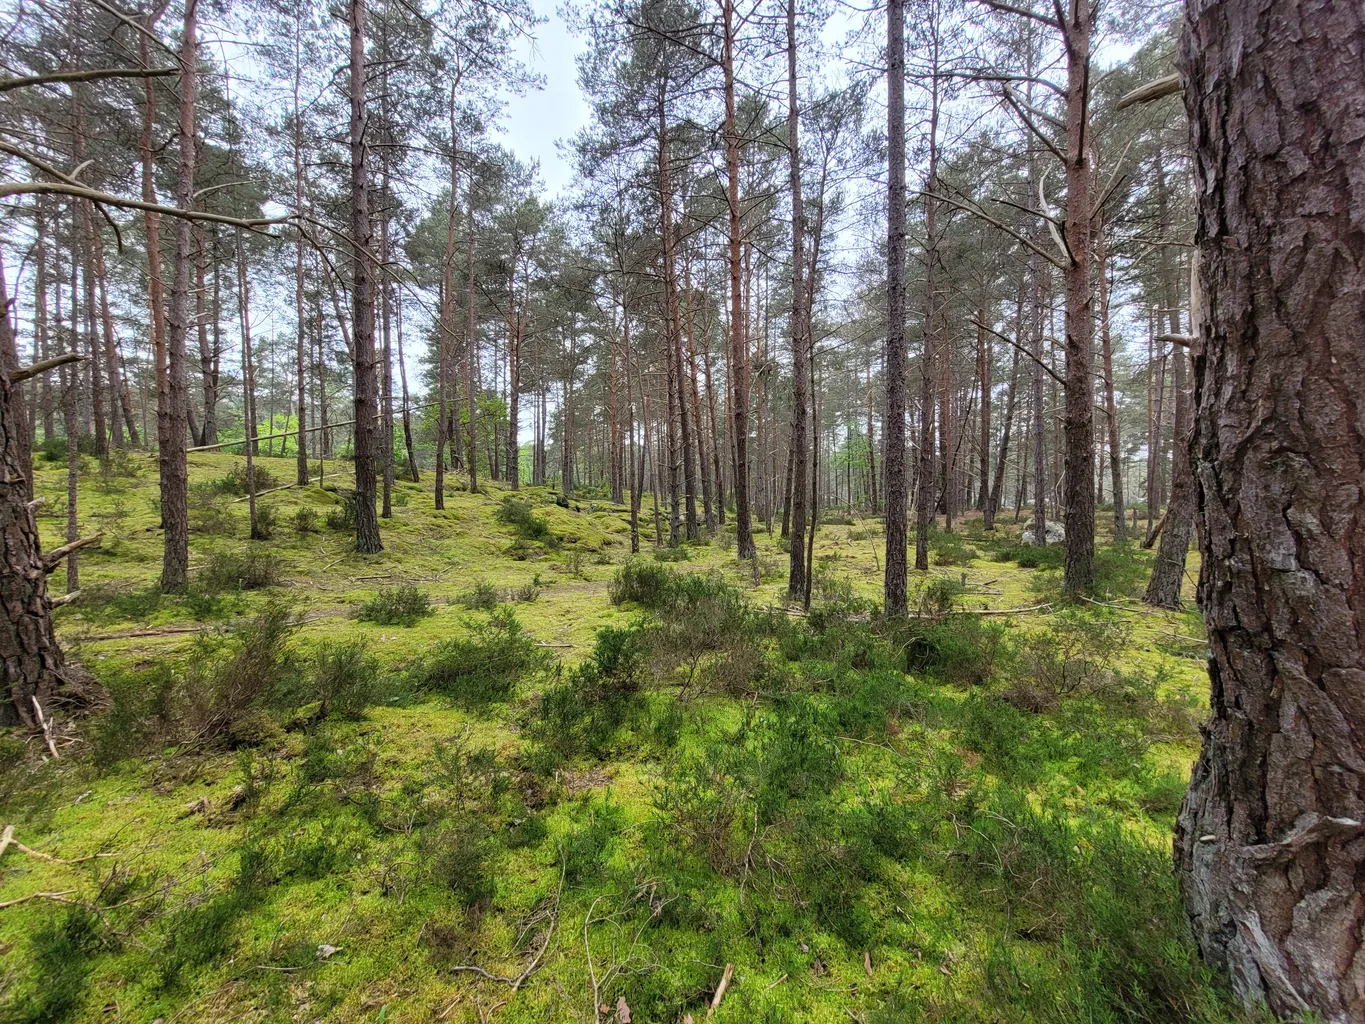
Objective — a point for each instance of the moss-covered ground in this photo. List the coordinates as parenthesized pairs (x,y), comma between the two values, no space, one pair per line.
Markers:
(567,809)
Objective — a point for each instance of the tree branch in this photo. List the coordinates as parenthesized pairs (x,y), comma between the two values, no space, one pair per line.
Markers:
(978,212)
(19,188)
(1167,85)
(92,75)
(1023,12)
(26,372)
(54,557)
(1018,348)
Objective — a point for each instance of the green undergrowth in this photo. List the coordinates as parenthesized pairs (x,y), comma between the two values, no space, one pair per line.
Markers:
(506,744)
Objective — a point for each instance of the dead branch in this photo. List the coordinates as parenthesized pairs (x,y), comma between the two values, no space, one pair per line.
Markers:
(258,494)
(976,211)
(47,734)
(57,602)
(20,188)
(7,840)
(26,372)
(725,980)
(54,557)
(92,75)
(1167,85)
(538,959)
(57,897)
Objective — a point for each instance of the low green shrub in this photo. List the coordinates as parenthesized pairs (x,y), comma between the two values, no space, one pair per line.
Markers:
(344,678)
(248,569)
(403,605)
(950,549)
(266,522)
(963,650)
(587,712)
(305,520)
(341,517)
(236,481)
(484,666)
(483,596)
(519,515)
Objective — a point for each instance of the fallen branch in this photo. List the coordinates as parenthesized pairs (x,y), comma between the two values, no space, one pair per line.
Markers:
(132,634)
(536,960)
(57,602)
(57,897)
(986,611)
(1160,525)
(725,980)
(47,731)
(259,494)
(7,840)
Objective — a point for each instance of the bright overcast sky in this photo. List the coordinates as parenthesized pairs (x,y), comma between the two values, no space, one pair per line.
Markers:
(533,123)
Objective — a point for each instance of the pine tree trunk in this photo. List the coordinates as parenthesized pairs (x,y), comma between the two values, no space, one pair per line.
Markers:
(1078,571)
(175,561)
(800,442)
(471,346)
(1163,589)
(301,337)
(1111,414)
(367,540)
(739,358)
(33,663)
(1270,843)
(893,462)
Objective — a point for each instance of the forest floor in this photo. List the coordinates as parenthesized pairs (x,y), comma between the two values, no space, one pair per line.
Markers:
(580,787)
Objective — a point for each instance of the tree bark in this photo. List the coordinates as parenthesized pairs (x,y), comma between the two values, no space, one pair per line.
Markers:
(893,462)
(175,562)
(367,540)
(925,504)
(1270,844)
(1163,589)
(252,447)
(1078,569)
(1111,414)
(301,338)
(471,345)
(33,663)
(739,357)
(800,442)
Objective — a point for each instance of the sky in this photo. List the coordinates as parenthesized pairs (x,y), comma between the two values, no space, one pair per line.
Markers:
(534,123)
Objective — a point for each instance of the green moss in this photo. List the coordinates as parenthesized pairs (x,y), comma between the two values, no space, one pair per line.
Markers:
(992,860)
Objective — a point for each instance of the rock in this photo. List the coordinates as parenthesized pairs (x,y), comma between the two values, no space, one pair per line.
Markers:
(195,807)
(1054,533)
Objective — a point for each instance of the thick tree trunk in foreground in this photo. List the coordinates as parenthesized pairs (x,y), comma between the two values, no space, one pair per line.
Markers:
(367,540)
(893,433)
(32,660)
(1270,843)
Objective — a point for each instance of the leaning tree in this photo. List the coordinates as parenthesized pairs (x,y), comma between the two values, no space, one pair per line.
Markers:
(1270,842)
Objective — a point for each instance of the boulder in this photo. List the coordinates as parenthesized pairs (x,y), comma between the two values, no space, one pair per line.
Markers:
(1053,533)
